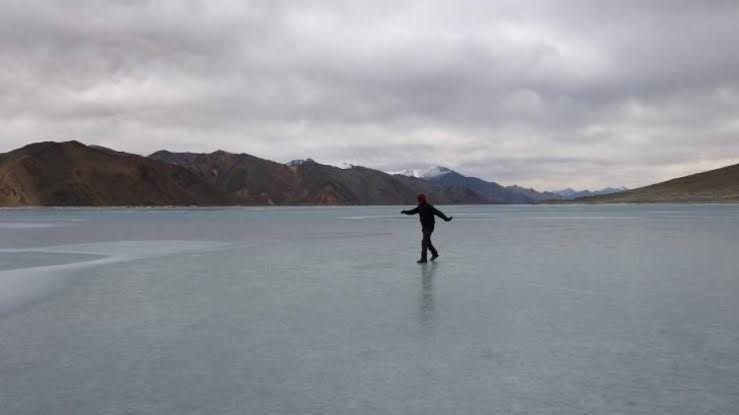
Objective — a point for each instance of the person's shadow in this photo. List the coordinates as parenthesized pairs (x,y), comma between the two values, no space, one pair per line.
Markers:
(427,293)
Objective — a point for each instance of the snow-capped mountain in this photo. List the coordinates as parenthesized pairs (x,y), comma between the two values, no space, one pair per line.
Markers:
(436,171)
(407,172)
(429,173)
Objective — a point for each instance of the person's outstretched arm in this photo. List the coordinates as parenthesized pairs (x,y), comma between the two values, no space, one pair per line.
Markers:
(410,212)
(440,214)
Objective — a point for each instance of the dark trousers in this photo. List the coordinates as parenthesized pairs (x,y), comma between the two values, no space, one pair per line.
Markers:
(426,243)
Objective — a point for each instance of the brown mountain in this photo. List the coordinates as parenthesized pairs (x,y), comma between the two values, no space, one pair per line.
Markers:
(241,178)
(72,174)
(245,179)
(720,185)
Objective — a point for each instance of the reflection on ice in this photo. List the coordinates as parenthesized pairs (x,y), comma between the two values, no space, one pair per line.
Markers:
(427,292)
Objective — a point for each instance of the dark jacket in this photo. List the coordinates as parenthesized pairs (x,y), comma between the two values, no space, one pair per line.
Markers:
(426,213)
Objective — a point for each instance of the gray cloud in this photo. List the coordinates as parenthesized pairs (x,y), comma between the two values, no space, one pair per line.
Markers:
(546,94)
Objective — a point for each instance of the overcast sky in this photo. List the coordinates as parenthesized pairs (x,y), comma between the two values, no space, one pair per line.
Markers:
(539,93)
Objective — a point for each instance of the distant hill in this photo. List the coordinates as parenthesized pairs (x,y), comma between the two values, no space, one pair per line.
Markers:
(570,193)
(720,185)
(72,174)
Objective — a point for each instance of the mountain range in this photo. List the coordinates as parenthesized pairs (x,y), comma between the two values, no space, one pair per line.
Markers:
(73,174)
(492,190)
(247,180)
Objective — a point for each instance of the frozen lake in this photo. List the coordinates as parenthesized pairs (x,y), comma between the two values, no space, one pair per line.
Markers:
(530,310)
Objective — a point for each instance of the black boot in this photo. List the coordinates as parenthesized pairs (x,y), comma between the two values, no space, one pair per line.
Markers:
(421,261)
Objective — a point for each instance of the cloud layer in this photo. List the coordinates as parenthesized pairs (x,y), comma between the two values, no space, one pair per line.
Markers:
(546,94)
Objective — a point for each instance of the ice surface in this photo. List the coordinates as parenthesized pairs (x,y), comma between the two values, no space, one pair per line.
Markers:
(26,225)
(33,273)
(536,310)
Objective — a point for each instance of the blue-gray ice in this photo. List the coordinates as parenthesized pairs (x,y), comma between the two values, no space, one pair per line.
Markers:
(530,310)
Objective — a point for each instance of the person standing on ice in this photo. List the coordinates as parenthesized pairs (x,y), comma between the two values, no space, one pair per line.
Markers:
(426,212)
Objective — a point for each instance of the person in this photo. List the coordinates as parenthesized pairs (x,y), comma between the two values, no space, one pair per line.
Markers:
(427,212)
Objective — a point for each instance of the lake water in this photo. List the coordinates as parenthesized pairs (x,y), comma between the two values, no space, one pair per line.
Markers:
(529,310)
